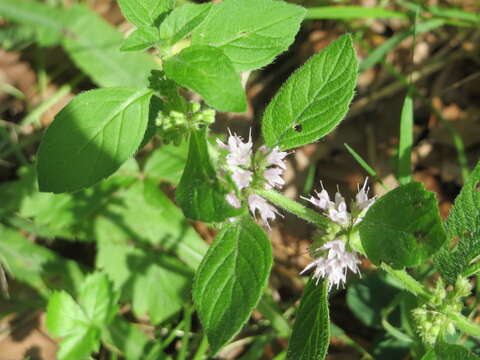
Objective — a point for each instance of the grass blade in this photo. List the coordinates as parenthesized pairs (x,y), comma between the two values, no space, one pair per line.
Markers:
(406,142)
(378,54)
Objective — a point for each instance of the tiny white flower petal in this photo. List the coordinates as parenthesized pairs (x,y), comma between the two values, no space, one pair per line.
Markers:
(335,265)
(240,153)
(233,200)
(266,211)
(361,199)
(222,145)
(242,178)
(322,201)
(275,157)
(273,177)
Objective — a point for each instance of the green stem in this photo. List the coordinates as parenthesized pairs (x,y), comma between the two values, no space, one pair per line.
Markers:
(268,309)
(294,207)
(202,348)
(187,318)
(407,281)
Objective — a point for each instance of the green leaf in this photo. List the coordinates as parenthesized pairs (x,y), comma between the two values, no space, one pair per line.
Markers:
(363,299)
(182,21)
(37,266)
(131,341)
(200,193)
(44,21)
(465,214)
(403,228)
(91,137)
(250,32)
(71,216)
(79,324)
(231,279)
(91,42)
(167,163)
(210,73)
(311,330)
(405,142)
(155,283)
(463,222)
(142,38)
(66,319)
(146,215)
(98,299)
(144,12)
(314,100)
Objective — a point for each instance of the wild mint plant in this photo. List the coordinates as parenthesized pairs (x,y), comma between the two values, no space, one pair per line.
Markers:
(202,51)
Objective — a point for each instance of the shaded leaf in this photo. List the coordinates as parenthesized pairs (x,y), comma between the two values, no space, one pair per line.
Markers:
(200,193)
(167,163)
(91,42)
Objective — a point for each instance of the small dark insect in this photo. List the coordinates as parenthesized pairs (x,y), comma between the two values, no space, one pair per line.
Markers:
(477,186)
(298,128)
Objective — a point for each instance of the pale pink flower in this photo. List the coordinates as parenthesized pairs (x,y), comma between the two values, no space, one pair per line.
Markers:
(275,156)
(361,199)
(273,177)
(242,178)
(335,264)
(239,152)
(233,200)
(266,211)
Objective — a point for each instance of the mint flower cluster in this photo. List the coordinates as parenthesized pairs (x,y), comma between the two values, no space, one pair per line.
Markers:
(249,171)
(334,258)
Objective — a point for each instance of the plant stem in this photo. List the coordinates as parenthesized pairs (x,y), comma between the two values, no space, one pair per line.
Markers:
(202,348)
(187,318)
(407,281)
(294,207)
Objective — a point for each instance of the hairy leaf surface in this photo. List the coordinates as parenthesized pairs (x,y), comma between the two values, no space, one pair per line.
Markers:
(311,330)
(231,279)
(463,222)
(403,227)
(250,32)
(314,100)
